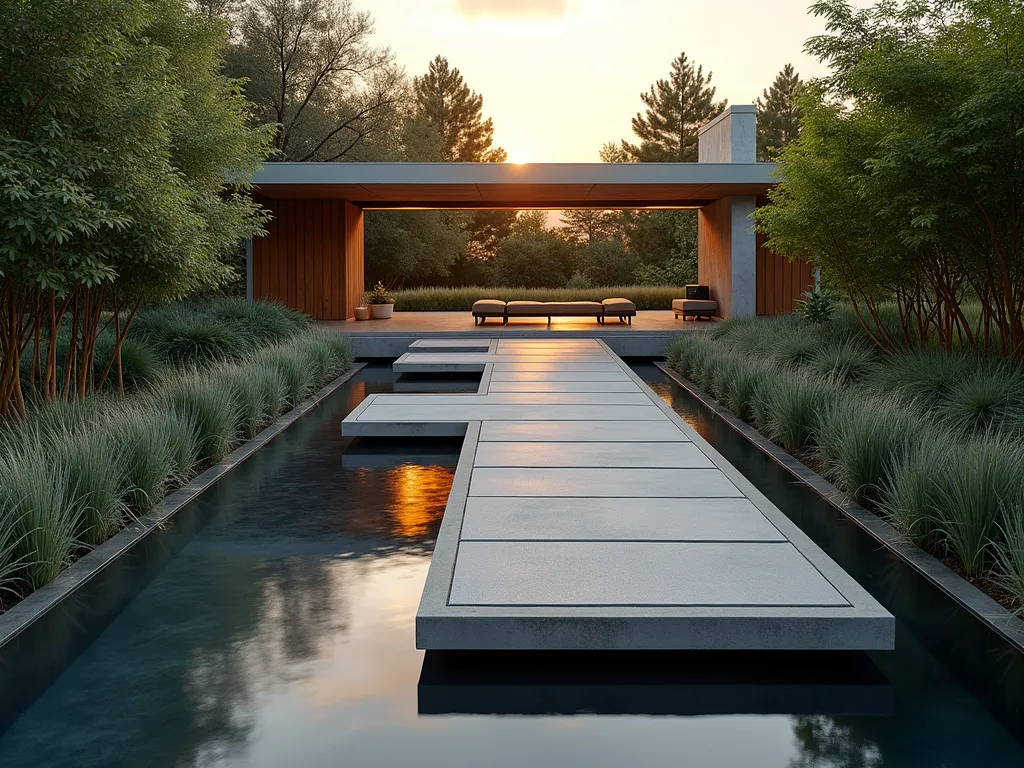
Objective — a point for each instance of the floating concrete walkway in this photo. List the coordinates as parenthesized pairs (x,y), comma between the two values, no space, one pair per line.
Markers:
(585,514)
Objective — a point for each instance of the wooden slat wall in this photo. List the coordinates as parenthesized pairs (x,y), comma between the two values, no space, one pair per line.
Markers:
(311,258)
(714,252)
(353,256)
(780,282)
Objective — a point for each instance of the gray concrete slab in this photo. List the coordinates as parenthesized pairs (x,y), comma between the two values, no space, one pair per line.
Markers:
(585,514)
(624,385)
(606,573)
(554,367)
(609,375)
(399,414)
(554,356)
(601,482)
(452,345)
(522,398)
(637,519)
(592,454)
(578,431)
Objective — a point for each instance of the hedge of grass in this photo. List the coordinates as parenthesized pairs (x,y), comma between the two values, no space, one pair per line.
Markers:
(932,441)
(461,299)
(74,475)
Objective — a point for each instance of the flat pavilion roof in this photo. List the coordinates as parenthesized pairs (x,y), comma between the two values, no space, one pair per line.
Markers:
(512,185)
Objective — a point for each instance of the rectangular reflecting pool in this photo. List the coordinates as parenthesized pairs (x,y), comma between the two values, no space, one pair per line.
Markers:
(272,624)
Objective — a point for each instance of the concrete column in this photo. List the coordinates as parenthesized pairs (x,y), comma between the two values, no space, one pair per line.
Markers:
(726,244)
(729,138)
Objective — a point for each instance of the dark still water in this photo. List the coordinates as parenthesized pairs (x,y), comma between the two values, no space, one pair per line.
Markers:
(273,625)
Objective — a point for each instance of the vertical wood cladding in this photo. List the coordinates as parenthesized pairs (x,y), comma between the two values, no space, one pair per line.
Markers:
(780,282)
(311,259)
(714,251)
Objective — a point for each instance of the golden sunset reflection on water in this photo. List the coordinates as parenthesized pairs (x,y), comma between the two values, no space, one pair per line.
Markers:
(421,496)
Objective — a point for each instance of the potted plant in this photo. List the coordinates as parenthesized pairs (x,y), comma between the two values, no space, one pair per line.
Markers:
(381,302)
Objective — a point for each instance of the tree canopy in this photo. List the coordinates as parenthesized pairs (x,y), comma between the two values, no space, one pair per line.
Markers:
(676,108)
(119,139)
(907,179)
(778,114)
(310,69)
(456,113)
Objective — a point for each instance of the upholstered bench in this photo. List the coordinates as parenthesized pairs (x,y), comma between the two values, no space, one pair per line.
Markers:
(487,308)
(624,309)
(620,308)
(697,304)
(551,309)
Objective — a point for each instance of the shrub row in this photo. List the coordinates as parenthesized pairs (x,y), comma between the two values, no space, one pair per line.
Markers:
(932,441)
(73,475)
(461,299)
(186,334)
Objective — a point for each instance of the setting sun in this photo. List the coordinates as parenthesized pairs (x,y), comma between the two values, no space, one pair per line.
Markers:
(516,158)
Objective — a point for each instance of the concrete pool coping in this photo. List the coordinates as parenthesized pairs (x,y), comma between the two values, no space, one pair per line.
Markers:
(34,606)
(977,603)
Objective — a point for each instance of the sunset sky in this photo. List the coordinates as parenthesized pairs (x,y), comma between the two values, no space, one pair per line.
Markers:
(561,77)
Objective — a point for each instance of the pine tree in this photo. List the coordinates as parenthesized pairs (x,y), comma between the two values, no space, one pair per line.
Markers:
(456,113)
(443,98)
(676,109)
(778,115)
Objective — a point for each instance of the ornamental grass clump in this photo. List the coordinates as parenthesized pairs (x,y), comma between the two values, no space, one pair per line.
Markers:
(266,377)
(12,557)
(330,351)
(924,375)
(786,407)
(861,442)
(687,353)
(844,361)
(973,494)
(210,408)
(296,373)
(984,401)
(96,479)
(795,347)
(261,322)
(141,366)
(146,438)
(247,400)
(1008,553)
(909,493)
(38,499)
(740,386)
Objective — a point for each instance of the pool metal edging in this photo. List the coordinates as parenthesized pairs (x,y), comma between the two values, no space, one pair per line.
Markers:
(23,614)
(969,597)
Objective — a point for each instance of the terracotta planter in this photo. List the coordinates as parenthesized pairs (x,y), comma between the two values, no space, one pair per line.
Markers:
(381,311)
(362,313)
